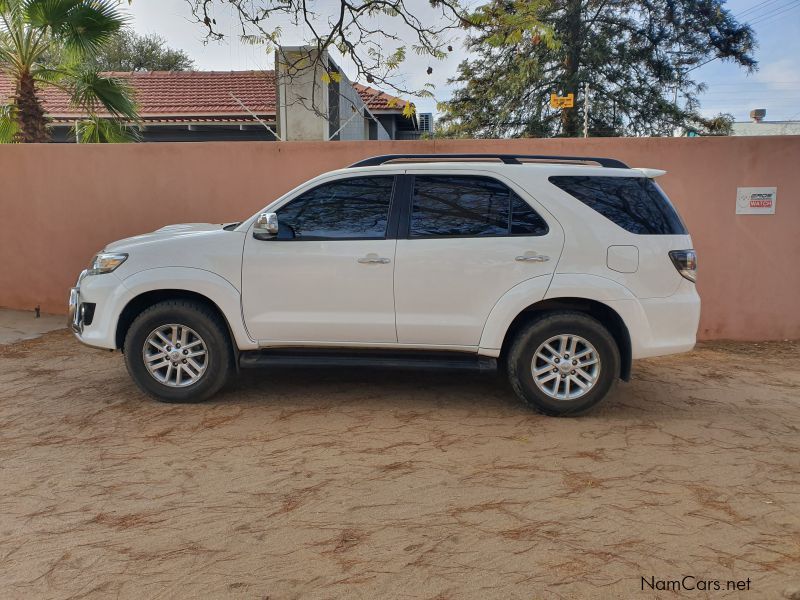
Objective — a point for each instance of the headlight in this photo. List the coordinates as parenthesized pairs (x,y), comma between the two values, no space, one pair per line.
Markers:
(105,262)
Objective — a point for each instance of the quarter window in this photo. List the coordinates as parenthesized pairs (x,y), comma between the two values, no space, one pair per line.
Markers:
(469,206)
(355,208)
(525,220)
(636,204)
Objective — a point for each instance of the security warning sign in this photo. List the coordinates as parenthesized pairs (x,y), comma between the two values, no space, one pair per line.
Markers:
(756,201)
(557,101)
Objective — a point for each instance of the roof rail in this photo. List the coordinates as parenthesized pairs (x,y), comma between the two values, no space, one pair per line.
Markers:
(509,159)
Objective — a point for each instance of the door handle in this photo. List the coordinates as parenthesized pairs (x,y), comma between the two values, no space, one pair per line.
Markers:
(532,258)
(374,259)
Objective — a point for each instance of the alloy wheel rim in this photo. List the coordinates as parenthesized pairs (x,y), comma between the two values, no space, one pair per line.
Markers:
(565,367)
(175,355)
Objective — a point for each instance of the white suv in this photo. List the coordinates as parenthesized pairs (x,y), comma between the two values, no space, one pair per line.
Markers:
(559,270)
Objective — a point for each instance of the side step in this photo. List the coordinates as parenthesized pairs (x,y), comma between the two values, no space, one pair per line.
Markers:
(414,360)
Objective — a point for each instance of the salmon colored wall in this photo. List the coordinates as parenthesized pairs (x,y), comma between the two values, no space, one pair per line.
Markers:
(62,203)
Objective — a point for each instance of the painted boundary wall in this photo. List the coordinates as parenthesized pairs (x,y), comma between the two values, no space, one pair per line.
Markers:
(61,203)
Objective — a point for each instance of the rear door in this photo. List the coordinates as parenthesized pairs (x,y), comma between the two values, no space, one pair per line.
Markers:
(466,240)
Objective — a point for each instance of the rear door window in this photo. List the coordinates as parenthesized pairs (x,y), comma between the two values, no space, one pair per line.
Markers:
(636,204)
(470,206)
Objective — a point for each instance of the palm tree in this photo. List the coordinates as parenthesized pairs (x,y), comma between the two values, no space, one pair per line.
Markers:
(49,43)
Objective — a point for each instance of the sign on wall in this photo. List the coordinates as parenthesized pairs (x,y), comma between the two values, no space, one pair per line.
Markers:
(756,200)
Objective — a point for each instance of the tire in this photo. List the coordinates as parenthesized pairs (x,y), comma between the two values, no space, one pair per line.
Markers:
(561,379)
(197,376)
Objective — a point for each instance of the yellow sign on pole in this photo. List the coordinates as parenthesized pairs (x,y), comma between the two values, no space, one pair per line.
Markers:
(567,101)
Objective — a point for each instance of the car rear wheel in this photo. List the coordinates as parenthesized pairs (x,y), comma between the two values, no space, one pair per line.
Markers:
(178,351)
(563,363)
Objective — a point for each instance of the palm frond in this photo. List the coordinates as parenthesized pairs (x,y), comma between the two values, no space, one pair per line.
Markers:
(91,91)
(47,13)
(96,130)
(11,30)
(12,11)
(8,54)
(8,124)
(83,26)
(52,76)
(49,75)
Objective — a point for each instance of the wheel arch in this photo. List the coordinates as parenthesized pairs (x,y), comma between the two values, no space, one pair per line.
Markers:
(606,315)
(148,287)
(145,300)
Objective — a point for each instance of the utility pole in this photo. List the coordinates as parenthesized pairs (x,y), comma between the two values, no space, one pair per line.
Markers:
(586,110)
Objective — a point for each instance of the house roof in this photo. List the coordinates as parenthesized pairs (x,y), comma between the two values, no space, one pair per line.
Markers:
(378,100)
(180,95)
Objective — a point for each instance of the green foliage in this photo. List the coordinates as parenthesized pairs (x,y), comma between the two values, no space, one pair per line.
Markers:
(81,26)
(93,91)
(636,55)
(8,124)
(512,21)
(396,58)
(104,131)
(721,124)
(127,51)
(376,36)
(53,43)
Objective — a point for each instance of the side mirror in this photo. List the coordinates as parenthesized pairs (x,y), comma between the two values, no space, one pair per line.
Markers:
(266,226)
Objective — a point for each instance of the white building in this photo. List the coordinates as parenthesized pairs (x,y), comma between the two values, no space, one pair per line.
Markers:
(758,126)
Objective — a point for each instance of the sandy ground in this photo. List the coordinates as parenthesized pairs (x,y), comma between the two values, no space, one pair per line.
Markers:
(18,325)
(345,484)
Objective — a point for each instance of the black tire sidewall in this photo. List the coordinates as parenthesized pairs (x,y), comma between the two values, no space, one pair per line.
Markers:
(205,324)
(531,337)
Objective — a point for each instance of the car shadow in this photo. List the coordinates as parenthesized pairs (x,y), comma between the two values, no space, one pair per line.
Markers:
(373,385)
(391,388)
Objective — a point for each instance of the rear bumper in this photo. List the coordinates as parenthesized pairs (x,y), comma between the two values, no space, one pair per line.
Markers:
(660,326)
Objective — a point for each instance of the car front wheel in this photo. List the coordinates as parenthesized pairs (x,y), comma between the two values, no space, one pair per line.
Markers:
(178,351)
(563,363)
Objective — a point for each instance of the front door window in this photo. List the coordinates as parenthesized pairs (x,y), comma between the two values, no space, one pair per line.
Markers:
(352,209)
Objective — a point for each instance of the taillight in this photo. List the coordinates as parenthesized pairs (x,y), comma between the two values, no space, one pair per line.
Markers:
(686,263)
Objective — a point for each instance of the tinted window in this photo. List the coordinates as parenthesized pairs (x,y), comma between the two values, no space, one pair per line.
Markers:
(469,206)
(343,209)
(636,204)
(525,220)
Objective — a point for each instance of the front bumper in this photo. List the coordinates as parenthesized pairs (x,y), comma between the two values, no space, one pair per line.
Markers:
(77,310)
(93,309)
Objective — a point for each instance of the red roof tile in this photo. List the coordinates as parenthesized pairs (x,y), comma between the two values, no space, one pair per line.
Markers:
(378,100)
(197,93)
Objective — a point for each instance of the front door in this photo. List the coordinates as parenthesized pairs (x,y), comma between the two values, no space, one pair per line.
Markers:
(469,239)
(327,276)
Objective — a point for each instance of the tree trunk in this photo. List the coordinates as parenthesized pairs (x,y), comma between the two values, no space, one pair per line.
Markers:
(30,114)
(571,40)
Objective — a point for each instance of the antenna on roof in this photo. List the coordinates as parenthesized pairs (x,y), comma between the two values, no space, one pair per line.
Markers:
(257,118)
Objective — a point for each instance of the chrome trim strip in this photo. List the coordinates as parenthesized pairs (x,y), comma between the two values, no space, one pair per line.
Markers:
(75,321)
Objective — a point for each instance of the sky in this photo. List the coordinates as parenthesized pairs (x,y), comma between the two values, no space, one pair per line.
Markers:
(775,86)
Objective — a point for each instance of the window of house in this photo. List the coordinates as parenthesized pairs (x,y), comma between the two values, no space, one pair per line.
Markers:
(470,206)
